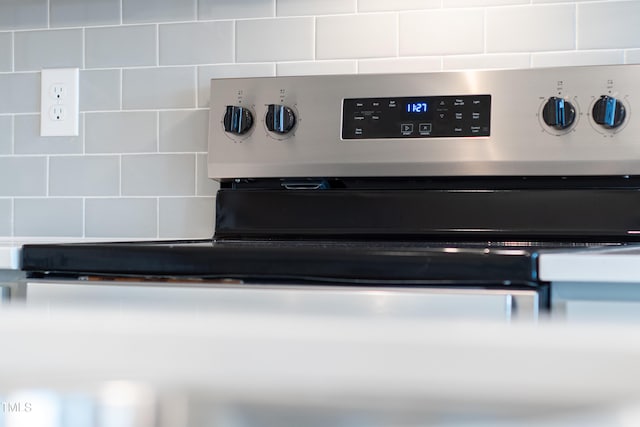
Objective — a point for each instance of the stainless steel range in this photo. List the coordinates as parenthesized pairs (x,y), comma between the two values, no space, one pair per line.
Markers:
(420,183)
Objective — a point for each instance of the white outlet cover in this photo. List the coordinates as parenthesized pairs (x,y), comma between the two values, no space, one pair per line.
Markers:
(59,102)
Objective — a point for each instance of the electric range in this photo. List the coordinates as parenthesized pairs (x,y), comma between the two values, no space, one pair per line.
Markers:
(452,180)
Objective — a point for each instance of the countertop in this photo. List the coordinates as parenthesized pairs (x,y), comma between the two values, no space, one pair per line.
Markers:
(345,368)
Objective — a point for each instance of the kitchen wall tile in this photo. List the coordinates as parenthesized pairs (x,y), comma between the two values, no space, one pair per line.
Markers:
(400,65)
(565,59)
(316,68)
(481,3)
(6,216)
(134,11)
(386,5)
(517,29)
(187,217)
(430,32)
(216,9)
(48,217)
(487,61)
(632,56)
(612,24)
(158,175)
(315,7)
(560,1)
(35,50)
(28,176)
(6,52)
(84,176)
(278,39)
(356,36)
(100,90)
(28,140)
(6,135)
(121,132)
(206,73)
(21,93)
(196,43)
(184,131)
(205,186)
(77,13)
(128,46)
(125,217)
(20,14)
(159,88)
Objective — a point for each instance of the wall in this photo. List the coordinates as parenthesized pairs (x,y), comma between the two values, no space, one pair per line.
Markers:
(138,168)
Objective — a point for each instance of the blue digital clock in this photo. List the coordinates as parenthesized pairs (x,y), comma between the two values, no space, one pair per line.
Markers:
(418,107)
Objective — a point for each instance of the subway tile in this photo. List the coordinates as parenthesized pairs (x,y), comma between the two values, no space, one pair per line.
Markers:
(187,217)
(28,140)
(386,5)
(159,88)
(126,46)
(632,56)
(356,36)
(80,13)
(430,32)
(35,50)
(216,9)
(315,7)
(23,176)
(99,90)
(400,65)
(481,3)
(6,135)
(6,52)
(21,93)
(279,39)
(196,43)
(84,176)
(121,132)
(205,186)
(487,61)
(308,68)
(20,14)
(517,29)
(121,217)
(206,73)
(6,214)
(606,25)
(48,217)
(158,175)
(184,130)
(134,11)
(566,59)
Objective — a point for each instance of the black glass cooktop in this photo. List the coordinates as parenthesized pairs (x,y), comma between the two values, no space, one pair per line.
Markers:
(350,262)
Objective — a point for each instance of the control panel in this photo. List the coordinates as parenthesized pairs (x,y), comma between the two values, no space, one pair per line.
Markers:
(416,117)
(554,121)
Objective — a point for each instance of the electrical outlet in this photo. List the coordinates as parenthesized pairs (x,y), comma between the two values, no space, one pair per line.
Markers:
(59,102)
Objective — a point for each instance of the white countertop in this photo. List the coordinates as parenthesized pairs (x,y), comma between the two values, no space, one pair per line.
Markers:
(616,264)
(384,366)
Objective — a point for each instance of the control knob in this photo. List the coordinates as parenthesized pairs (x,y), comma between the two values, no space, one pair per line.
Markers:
(558,113)
(608,112)
(280,118)
(237,120)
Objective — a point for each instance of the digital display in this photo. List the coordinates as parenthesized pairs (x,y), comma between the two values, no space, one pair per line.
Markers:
(418,107)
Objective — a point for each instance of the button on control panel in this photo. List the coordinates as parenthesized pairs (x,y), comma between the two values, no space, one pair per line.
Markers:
(417,117)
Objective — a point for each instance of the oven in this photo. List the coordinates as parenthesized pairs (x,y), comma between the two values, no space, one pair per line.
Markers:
(414,194)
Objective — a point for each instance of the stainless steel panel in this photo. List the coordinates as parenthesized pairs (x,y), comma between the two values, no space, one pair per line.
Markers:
(520,143)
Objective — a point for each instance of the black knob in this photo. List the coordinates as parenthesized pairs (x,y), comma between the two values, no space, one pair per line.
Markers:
(608,112)
(558,113)
(237,120)
(280,118)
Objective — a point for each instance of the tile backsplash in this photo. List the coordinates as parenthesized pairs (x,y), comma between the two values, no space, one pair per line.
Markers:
(138,167)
